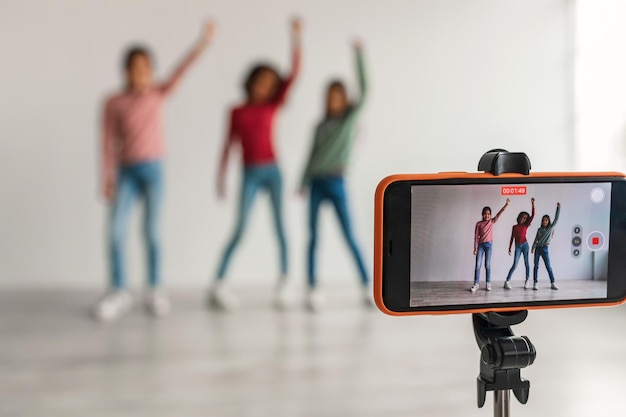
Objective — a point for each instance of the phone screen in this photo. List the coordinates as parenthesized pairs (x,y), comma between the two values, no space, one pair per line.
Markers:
(462,235)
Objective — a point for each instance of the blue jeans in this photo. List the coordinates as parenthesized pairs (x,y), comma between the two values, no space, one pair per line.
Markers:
(542,251)
(483,249)
(519,250)
(142,180)
(331,189)
(268,178)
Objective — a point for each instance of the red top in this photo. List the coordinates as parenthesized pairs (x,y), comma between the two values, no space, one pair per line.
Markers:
(518,233)
(252,125)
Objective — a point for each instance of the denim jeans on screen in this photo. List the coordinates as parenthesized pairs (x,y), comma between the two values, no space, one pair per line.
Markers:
(255,178)
(542,252)
(484,249)
(142,180)
(520,250)
(333,190)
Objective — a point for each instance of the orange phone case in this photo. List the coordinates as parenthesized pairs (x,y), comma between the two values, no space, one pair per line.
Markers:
(378,235)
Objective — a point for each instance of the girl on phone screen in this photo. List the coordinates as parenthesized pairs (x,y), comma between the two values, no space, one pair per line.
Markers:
(518,234)
(483,243)
(252,130)
(132,153)
(541,244)
(324,174)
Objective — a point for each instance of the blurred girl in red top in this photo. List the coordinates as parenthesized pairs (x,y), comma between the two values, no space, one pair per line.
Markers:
(252,130)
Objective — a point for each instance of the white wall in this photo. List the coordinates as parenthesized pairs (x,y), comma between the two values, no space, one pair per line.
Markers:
(450,79)
(600,85)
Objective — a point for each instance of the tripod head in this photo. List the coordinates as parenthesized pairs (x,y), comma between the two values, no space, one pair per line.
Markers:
(502,354)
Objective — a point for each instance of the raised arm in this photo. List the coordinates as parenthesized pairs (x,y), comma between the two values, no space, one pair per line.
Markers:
(508,201)
(532,211)
(296,58)
(223,165)
(208,32)
(109,154)
(361,75)
(556,215)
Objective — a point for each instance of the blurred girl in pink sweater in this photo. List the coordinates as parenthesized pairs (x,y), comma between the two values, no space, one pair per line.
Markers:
(132,150)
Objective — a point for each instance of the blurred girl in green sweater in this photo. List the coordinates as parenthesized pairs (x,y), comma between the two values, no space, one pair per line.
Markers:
(325,170)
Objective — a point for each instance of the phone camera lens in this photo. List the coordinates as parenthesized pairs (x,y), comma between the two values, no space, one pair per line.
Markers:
(577,241)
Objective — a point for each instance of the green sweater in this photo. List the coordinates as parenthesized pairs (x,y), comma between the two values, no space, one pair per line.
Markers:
(544,234)
(334,136)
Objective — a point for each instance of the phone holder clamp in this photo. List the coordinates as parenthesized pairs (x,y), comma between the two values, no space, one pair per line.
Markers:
(501,161)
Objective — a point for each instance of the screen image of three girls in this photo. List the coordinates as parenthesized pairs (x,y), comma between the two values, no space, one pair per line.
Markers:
(483,245)
(132,170)
(520,236)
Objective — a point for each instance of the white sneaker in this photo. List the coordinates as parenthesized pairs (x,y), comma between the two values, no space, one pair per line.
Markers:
(315,300)
(507,286)
(535,286)
(113,305)
(283,297)
(474,288)
(221,299)
(157,302)
(527,284)
(553,286)
(488,286)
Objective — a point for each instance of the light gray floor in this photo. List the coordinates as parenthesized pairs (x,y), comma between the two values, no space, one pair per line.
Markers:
(54,361)
(457,292)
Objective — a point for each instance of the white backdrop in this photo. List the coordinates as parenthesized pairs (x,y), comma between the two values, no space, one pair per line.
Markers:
(600,85)
(449,80)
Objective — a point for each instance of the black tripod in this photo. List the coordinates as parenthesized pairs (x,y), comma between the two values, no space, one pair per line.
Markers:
(502,354)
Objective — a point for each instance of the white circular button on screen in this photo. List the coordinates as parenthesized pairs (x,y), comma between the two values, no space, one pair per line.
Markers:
(597,195)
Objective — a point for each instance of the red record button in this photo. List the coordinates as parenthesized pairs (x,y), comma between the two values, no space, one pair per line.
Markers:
(595,241)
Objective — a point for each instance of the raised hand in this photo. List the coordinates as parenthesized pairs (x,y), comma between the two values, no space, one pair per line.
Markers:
(357,45)
(296,27)
(532,200)
(208,32)
(508,200)
(558,204)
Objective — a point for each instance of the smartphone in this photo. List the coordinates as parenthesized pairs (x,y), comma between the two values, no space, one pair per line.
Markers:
(473,242)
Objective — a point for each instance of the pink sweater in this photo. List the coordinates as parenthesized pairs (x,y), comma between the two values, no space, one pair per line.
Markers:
(484,230)
(132,129)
